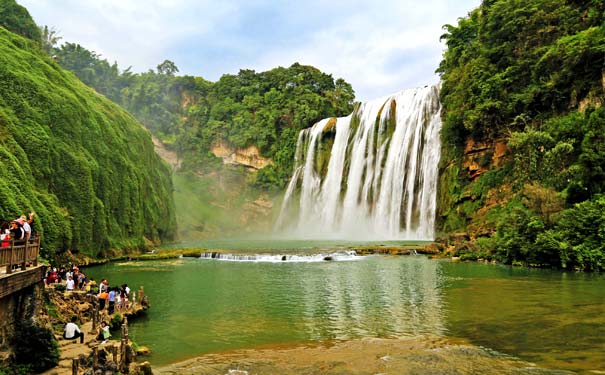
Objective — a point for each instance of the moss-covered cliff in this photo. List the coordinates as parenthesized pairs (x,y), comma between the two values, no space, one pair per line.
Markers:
(523,161)
(84,165)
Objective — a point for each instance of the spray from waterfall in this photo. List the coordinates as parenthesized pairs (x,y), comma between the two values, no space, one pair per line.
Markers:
(369,176)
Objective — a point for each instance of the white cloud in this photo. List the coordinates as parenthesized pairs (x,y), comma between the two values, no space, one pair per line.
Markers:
(379,47)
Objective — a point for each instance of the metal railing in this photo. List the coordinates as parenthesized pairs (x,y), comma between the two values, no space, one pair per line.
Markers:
(20,253)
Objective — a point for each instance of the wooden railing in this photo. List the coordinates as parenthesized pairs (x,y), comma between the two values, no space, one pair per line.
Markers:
(20,253)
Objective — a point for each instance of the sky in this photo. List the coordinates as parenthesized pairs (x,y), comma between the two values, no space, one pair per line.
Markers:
(380,47)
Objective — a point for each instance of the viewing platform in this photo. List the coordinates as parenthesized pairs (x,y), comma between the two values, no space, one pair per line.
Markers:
(19,265)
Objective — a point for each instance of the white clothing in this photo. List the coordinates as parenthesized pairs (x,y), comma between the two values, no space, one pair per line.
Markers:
(70,284)
(27,229)
(70,330)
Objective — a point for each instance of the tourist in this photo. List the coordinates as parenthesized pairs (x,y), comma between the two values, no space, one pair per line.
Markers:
(5,234)
(30,221)
(90,285)
(103,297)
(72,331)
(17,232)
(81,280)
(112,301)
(70,283)
(104,333)
(52,276)
(26,228)
(125,295)
(104,286)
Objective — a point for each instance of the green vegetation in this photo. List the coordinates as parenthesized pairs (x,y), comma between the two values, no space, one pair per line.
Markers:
(531,74)
(190,115)
(36,349)
(84,165)
(16,19)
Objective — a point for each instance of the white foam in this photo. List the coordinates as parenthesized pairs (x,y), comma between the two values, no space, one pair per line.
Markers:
(338,256)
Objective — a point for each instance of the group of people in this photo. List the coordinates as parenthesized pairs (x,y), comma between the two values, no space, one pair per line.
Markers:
(110,298)
(71,331)
(73,277)
(20,229)
(113,297)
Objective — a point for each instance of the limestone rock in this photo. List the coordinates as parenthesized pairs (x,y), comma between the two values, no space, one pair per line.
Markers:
(248,156)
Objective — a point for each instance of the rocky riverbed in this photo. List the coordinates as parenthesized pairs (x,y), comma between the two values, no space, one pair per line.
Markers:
(417,355)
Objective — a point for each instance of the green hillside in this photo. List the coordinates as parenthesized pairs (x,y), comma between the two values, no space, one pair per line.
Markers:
(523,166)
(84,165)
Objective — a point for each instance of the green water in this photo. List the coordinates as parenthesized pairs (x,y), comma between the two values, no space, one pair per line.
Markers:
(553,319)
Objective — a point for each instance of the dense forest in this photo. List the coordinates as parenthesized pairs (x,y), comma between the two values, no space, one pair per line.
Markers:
(531,75)
(190,115)
(83,164)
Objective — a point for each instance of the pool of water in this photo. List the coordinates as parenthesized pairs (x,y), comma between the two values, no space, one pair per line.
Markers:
(200,306)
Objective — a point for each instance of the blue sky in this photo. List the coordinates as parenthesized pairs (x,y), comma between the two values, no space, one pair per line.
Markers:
(380,47)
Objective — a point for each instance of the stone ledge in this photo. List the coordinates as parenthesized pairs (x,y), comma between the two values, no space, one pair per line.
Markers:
(11,283)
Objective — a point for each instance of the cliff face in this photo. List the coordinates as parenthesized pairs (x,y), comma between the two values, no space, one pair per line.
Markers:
(248,156)
(83,164)
(24,303)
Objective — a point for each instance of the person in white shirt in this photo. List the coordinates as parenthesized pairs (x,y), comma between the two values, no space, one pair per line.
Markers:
(72,331)
(70,283)
(26,227)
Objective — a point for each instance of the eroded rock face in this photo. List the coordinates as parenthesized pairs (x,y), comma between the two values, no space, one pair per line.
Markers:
(248,156)
(23,305)
(169,156)
(479,157)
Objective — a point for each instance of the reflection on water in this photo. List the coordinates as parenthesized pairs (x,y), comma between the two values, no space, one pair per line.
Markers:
(378,299)
(202,306)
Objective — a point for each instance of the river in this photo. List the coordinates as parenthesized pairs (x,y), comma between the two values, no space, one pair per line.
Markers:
(553,319)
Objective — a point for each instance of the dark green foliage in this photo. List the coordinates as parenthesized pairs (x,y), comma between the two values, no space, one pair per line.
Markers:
(267,110)
(530,73)
(16,18)
(511,63)
(36,349)
(579,236)
(85,166)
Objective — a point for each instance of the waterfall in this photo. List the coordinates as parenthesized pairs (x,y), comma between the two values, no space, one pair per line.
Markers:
(369,176)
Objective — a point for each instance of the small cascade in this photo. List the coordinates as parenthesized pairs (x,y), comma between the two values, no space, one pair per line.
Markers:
(279,258)
(369,176)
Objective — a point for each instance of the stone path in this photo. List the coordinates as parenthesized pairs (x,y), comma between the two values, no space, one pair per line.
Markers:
(71,349)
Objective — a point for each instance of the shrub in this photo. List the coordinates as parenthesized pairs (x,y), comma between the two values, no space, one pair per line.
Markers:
(116,320)
(60,287)
(36,349)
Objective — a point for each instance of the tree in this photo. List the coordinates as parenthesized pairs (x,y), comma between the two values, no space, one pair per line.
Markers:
(50,38)
(168,68)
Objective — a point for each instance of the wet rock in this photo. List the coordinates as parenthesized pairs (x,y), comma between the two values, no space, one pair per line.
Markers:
(145,368)
(143,350)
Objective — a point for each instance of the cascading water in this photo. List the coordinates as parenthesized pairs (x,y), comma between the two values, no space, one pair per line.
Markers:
(369,176)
